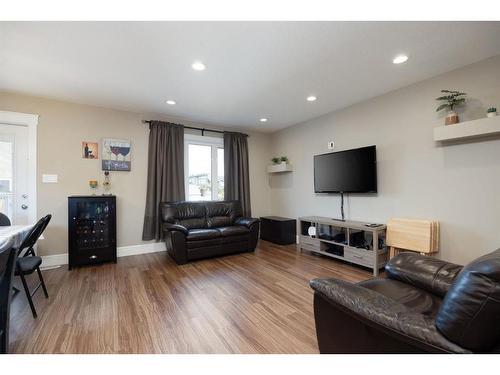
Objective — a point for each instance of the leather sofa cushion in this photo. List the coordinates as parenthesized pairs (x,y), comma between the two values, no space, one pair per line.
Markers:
(471,309)
(417,300)
(424,272)
(236,230)
(202,234)
(222,214)
(188,214)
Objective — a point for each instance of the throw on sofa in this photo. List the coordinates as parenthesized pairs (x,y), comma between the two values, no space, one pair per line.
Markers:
(424,305)
(195,230)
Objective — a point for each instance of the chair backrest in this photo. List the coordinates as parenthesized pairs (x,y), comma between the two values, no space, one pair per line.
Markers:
(33,235)
(7,260)
(4,220)
(470,310)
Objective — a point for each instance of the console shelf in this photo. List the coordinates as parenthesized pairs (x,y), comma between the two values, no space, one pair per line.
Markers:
(351,241)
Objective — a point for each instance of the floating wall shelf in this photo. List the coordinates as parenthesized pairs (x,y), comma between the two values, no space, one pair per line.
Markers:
(280,168)
(467,130)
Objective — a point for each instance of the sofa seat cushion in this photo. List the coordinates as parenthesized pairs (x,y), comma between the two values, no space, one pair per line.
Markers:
(202,234)
(418,300)
(235,230)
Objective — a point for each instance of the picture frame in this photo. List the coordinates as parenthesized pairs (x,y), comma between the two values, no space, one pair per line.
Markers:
(116,155)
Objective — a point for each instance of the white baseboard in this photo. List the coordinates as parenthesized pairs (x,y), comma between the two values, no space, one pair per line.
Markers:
(51,261)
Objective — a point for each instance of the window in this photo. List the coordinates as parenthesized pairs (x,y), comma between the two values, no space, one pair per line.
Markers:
(204,168)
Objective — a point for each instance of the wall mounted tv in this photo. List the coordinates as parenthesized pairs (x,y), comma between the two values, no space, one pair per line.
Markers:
(350,171)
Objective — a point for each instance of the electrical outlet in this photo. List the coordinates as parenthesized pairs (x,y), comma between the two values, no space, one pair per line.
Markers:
(331,145)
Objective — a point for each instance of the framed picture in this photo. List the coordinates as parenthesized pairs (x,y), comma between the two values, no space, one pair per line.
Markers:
(90,150)
(115,155)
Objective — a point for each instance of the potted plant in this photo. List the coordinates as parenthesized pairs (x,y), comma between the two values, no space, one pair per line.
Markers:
(491,112)
(284,160)
(448,101)
(276,160)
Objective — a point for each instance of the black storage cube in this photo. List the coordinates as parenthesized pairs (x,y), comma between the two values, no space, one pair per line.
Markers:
(280,230)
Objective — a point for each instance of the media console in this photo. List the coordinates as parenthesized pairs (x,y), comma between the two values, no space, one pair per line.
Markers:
(353,241)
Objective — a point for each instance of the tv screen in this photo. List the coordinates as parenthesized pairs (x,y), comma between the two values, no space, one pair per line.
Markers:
(351,171)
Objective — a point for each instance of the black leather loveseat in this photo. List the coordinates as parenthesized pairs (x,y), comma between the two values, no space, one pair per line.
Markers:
(195,230)
(424,305)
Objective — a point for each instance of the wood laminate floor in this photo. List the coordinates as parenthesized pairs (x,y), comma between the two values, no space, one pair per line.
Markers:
(257,302)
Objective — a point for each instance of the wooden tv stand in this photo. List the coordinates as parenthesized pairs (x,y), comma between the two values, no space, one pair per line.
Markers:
(351,241)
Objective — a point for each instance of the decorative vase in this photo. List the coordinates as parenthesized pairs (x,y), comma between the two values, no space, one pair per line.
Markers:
(491,114)
(106,184)
(451,118)
(93,184)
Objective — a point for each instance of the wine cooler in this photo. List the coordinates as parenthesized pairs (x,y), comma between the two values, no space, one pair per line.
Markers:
(92,229)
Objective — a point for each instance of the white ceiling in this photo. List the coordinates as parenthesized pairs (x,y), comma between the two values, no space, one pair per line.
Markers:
(254,69)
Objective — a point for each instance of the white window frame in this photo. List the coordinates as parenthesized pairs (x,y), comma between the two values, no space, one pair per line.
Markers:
(215,143)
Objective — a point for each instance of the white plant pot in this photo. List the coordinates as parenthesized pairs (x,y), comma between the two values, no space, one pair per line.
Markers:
(491,114)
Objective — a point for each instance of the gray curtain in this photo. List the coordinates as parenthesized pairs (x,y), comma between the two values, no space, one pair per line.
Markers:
(236,177)
(165,173)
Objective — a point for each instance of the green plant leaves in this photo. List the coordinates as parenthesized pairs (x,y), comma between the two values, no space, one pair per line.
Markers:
(442,106)
(454,98)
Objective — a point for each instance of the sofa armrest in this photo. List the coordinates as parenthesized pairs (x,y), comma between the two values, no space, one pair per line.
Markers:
(246,221)
(383,313)
(180,228)
(424,272)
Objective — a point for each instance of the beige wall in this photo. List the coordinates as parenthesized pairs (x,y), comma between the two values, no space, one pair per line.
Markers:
(455,184)
(61,129)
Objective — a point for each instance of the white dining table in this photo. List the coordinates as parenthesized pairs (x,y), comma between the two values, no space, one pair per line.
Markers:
(16,232)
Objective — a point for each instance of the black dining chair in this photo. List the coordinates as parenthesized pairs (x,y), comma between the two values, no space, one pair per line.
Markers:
(7,261)
(4,220)
(28,262)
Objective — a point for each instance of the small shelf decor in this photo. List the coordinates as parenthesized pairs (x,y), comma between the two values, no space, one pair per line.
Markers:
(448,101)
(93,184)
(280,164)
(491,112)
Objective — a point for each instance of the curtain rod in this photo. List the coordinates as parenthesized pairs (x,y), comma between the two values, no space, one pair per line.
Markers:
(203,130)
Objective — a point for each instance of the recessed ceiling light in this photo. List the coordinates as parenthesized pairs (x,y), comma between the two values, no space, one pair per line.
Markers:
(400,59)
(171,102)
(311,98)
(263,119)
(198,65)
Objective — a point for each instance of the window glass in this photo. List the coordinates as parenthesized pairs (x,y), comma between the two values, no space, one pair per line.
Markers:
(199,173)
(204,168)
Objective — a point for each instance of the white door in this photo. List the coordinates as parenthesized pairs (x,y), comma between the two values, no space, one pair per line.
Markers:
(14,169)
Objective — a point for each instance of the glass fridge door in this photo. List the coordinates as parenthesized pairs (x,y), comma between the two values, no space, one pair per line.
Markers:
(93,224)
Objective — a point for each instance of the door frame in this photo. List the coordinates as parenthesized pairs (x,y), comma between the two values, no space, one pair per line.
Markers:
(30,121)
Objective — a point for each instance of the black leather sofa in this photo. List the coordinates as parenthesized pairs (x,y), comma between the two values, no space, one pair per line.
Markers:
(195,230)
(425,305)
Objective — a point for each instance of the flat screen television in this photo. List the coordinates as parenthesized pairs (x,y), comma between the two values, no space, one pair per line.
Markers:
(350,171)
